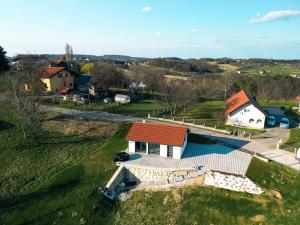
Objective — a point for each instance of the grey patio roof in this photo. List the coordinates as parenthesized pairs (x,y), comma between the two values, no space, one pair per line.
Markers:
(213,157)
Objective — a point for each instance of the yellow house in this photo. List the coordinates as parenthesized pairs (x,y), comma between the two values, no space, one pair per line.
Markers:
(56,78)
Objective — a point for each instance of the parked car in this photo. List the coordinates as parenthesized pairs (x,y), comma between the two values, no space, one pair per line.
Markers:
(271,120)
(121,157)
(285,123)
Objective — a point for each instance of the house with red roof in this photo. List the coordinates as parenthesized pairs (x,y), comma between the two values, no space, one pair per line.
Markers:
(57,79)
(242,109)
(159,139)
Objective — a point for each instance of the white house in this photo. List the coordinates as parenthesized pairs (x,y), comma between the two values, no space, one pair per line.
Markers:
(243,110)
(122,98)
(159,139)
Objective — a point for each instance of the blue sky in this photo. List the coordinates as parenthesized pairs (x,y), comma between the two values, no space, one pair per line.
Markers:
(160,28)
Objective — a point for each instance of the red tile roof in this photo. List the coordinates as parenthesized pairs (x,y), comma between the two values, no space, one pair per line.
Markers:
(48,72)
(298,97)
(157,133)
(238,100)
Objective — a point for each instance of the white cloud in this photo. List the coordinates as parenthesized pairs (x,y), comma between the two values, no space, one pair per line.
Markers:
(275,15)
(157,34)
(196,30)
(146,9)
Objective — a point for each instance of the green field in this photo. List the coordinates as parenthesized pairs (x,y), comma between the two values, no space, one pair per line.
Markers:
(271,70)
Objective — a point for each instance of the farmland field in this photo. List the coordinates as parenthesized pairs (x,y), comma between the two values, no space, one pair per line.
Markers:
(272,70)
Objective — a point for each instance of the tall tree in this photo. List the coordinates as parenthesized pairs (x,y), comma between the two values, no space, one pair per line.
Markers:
(69,52)
(3,61)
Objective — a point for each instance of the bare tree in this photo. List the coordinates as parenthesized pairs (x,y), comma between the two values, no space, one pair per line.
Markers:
(178,94)
(69,52)
(24,89)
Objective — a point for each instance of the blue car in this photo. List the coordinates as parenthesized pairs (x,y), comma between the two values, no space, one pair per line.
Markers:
(271,120)
(285,123)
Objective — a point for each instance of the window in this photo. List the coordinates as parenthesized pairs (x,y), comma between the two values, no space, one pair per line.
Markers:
(70,84)
(140,147)
(251,121)
(59,75)
(170,151)
(259,121)
(154,148)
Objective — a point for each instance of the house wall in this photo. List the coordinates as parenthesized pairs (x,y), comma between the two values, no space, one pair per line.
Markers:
(131,146)
(178,151)
(47,82)
(164,150)
(247,116)
(56,81)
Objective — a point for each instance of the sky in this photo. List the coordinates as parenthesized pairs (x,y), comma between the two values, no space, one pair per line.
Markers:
(158,28)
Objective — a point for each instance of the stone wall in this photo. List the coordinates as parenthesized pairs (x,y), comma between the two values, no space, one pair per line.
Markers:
(157,175)
(231,182)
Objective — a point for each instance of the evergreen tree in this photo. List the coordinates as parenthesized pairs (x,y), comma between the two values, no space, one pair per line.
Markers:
(3,61)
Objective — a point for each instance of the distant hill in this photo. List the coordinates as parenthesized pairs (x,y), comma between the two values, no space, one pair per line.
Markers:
(121,58)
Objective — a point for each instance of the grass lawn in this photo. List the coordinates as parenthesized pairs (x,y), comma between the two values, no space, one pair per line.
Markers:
(208,205)
(277,103)
(294,138)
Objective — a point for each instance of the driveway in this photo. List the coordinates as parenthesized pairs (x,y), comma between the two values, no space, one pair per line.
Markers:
(213,157)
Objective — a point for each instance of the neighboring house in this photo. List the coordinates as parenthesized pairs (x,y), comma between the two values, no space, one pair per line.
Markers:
(22,61)
(85,84)
(159,139)
(122,98)
(57,79)
(243,110)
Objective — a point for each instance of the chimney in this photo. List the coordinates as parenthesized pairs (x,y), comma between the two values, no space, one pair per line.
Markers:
(144,121)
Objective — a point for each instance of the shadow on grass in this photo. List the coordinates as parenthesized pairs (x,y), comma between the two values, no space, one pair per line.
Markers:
(4,125)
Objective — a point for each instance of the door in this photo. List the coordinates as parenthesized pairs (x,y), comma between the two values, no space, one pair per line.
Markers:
(170,151)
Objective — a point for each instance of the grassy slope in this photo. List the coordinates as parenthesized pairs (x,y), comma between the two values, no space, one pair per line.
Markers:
(71,194)
(208,205)
(294,138)
(26,163)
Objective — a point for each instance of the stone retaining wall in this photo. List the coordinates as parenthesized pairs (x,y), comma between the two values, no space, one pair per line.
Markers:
(156,175)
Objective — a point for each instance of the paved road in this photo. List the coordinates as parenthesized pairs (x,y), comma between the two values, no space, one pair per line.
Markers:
(265,146)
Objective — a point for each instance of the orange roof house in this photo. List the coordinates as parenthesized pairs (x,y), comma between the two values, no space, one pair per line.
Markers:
(243,110)
(161,139)
(48,72)
(55,78)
